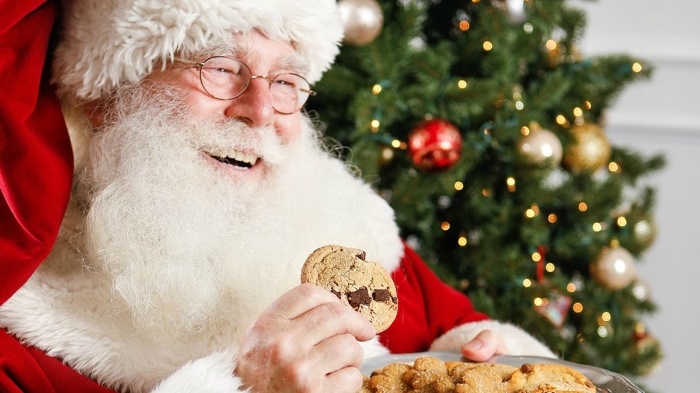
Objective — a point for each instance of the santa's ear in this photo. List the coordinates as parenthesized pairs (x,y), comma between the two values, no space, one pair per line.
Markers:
(95,112)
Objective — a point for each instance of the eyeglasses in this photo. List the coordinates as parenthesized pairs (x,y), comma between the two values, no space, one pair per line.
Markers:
(226,78)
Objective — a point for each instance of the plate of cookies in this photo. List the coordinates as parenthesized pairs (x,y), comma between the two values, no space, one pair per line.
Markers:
(448,372)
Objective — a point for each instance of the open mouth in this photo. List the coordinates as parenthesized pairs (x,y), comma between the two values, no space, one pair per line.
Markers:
(236,159)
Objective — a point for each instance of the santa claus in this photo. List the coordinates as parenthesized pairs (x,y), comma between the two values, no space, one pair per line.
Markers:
(200,187)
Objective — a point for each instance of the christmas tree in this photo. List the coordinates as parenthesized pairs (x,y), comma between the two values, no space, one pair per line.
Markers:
(483,126)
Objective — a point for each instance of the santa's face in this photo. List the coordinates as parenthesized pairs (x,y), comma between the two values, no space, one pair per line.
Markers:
(254,108)
(183,234)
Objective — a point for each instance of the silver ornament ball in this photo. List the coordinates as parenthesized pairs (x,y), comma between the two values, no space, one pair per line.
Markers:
(362,20)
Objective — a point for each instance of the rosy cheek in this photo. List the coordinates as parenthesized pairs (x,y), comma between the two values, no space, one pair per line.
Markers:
(289,127)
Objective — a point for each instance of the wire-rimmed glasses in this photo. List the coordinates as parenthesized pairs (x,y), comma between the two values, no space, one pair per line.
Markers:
(226,78)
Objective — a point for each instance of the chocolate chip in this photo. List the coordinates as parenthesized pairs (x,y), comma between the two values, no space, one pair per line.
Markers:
(382,295)
(359,297)
(361,254)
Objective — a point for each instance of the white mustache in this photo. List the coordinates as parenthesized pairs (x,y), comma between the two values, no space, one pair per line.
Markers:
(237,140)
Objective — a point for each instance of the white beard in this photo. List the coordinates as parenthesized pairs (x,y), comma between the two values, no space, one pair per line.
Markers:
(185,247)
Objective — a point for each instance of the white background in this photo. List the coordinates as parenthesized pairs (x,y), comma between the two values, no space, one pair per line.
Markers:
(662,116)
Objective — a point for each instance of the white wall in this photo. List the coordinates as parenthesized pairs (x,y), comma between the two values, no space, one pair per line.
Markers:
(661,116)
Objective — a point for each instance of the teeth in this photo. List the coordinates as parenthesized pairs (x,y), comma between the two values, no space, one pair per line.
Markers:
(238,156)
(243,157)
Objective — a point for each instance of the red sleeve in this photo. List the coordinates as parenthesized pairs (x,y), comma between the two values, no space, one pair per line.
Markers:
(35,155)
(427,307)
(28,370)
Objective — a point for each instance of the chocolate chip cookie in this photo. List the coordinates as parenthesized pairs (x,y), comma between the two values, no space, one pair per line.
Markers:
(536,378)
(363,285)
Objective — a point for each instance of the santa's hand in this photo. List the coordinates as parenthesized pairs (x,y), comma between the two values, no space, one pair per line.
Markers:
(305,341)
(485,345)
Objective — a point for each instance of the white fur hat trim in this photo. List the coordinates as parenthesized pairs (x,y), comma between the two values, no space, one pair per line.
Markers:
(106,43)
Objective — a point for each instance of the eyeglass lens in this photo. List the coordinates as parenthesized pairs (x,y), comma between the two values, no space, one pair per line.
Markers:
(226,78)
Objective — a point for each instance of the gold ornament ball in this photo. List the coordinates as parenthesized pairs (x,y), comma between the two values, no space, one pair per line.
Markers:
(589,149)
(362,20)
(614,268)
(541,147)
(645,232)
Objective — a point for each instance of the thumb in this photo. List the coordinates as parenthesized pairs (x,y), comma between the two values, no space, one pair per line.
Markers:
(485,345)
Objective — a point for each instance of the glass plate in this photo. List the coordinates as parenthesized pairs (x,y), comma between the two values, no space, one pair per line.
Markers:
(604,380)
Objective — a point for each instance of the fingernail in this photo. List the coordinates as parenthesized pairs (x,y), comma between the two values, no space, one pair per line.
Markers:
(473,345)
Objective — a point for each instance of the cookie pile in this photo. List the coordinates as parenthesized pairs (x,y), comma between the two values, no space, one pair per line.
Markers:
(431,375)
(363,285)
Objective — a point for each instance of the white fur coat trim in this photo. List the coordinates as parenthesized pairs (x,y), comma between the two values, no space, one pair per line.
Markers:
(518,342)
(105,43)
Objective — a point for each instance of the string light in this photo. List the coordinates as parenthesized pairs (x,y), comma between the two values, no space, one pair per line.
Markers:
(527,283)
(396,144)
(550,267)
(571,287)
(387,154)
(536,256)
(582,206)
(552,218)
(510,182)
(551,45)
(462,240)
(374,124)
(636,67)
(464,25)
(376,89)
(533,211)
(577,307)
(621,222)
(459,186)
(488,46)
(485,192)
(538,301)
(597,227)
(525,130)
(602,331)
(614,167)
(445,226)
(462,84)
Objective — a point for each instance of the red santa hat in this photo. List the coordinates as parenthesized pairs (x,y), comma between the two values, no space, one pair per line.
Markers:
(106,43)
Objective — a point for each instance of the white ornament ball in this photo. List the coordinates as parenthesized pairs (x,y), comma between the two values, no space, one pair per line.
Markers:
(540,147)
(362,20)
(614,268)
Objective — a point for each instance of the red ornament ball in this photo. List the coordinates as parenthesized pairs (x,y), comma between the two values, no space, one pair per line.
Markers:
(435,145)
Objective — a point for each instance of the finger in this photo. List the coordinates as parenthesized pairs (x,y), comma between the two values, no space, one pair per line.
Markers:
(348,380)
(335,353)
(300,300)
(328,320)
(483,346)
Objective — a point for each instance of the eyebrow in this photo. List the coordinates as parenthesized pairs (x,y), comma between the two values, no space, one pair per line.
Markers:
(291,62)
